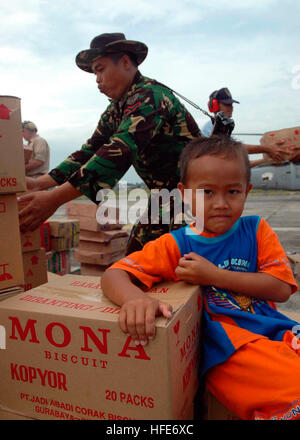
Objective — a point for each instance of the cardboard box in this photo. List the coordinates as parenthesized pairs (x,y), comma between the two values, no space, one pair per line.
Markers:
(290,136)
(91,224)
(94,257)
(92,269)
(11,263)
(81,209)
(103,241)
(59,262)
(64,234)
(116,245)
(7,293)
(8,415)
(12,164)
(64,227)
(35,268)
(64,243)
(67,358)
(103,236)
(87,212)
(53,276)
(294,260)
(30,241)
(45,236)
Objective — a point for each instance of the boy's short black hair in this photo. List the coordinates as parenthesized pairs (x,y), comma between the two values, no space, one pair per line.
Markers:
(216,145)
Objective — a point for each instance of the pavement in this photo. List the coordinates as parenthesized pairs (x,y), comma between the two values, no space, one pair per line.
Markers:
(281,209)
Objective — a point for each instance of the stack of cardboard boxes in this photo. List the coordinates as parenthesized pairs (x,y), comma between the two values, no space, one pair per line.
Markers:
(12,180)
(34,258)
(22,261)
(100,244)
(63,238)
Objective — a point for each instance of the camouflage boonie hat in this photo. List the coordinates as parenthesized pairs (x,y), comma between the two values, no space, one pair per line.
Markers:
(105,44)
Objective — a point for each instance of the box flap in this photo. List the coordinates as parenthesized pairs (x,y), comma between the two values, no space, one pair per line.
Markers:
(78,294)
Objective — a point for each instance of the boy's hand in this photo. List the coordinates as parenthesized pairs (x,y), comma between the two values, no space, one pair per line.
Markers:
(137,318)
(195,269)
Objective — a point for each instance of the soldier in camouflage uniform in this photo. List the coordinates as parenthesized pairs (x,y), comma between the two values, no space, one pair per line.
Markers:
(145,125)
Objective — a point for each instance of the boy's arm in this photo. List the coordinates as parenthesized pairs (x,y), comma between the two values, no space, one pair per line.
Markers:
(138,310)
(155,262)
(197,270)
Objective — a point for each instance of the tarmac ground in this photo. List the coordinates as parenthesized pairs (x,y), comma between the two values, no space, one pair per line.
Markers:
(281,209)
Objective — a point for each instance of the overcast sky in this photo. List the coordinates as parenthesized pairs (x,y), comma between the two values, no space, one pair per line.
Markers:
(195,47)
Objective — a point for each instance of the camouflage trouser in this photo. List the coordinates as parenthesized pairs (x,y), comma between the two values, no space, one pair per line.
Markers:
(148,228)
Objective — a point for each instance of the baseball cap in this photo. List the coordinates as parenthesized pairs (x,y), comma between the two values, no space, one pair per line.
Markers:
(223,95)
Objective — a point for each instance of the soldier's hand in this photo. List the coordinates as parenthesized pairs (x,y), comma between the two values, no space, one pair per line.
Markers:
(37,207)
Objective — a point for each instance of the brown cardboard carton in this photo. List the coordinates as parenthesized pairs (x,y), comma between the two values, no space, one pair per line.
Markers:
(294,260)
(59,262)
(11,264)
(9,415)
(87,212)
(12,164)
(31,241)
(45,236)
(92,269)
(35,268)
(64,234)
(7,293)
(91,224)
(290,136)
(66,357)
(94,257)
(53,276)
(64,227)
(81,209)
(116,245)
(64,243)
(102,236)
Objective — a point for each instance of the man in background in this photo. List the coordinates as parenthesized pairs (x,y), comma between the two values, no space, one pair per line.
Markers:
(38,161)
(222,101)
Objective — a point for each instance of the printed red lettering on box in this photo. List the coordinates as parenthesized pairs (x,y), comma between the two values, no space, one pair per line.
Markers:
(4,275)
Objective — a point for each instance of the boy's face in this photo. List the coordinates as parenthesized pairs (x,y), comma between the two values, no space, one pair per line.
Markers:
(225,190)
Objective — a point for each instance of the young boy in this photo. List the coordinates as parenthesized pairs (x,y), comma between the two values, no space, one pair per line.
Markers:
(249,362)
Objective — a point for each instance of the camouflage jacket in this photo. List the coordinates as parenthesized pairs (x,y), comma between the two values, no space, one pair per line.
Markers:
(148,129)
